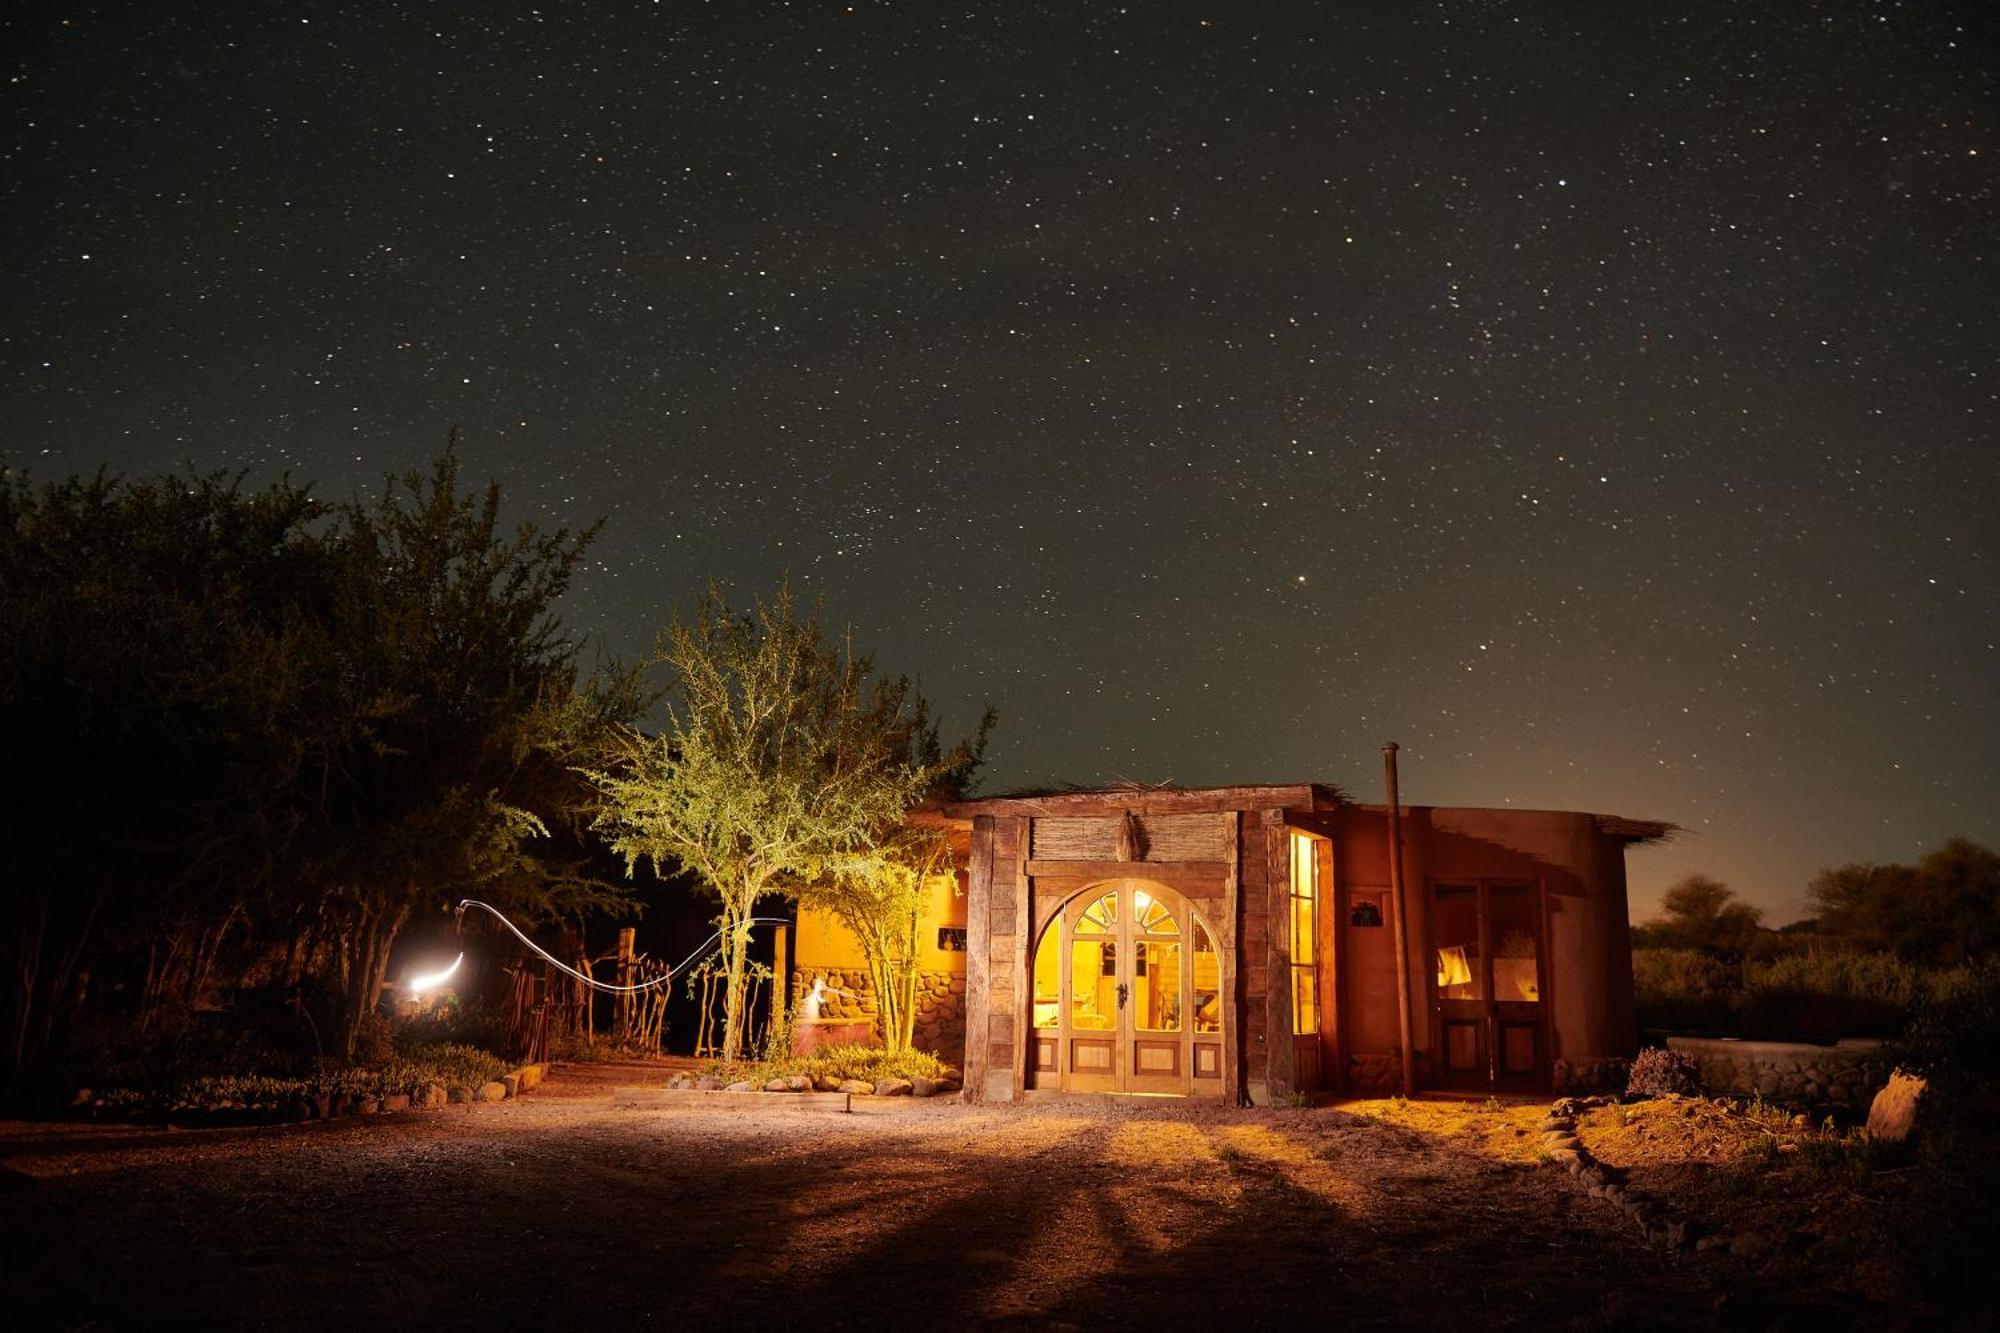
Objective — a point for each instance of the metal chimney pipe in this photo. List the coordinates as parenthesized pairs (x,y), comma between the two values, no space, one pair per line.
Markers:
(1396,915)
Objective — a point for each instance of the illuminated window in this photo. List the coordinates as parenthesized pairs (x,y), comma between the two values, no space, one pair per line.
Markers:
(1305,934)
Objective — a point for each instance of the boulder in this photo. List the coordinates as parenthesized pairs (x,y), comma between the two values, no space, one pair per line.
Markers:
(459,1096)
(511,1082)
(430,1097)
(1892,1116)
(741,1085)
(923,1087)
(396,1101)
(367,1106)
(825,1083)
(493,1092)
(709,1083)
(892,1087)
(948,1085)
(855,1087)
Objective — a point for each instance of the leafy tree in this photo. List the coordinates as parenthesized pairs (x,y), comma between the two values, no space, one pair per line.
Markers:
(1701,912)
(781,754)
(879,893)
(1943,910)
(433,742)
(258,723)
(132,616)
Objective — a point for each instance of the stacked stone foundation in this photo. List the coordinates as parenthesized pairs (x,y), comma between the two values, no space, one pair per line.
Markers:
(850,997)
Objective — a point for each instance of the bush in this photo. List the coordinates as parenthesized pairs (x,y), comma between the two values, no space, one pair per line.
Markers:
(1658,1072)
(870,1064)
(1686,990)
(1821,994)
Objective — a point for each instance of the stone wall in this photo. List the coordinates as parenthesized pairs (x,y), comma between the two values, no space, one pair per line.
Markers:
(1847,1073)
(1602,1073)
(940,1004)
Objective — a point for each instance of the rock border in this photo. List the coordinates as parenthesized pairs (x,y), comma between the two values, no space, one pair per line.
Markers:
(1562,1146)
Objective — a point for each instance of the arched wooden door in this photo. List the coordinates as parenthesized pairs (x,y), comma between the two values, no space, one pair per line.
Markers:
(1128,994)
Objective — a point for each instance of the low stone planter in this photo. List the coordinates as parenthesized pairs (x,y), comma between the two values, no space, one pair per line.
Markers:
(810,1037)
(1847,1073)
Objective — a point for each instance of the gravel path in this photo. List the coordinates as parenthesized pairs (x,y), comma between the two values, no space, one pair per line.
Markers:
(573,1209)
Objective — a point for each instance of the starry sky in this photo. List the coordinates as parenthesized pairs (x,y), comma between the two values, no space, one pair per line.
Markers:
(1599,400)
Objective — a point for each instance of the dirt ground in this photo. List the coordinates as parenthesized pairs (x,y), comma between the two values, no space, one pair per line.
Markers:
(576,1208)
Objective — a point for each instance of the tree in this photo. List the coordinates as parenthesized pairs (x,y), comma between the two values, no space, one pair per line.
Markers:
(879,893)
(781,754)
(261,725)
(435,737)
(1945,909)
(1701,912)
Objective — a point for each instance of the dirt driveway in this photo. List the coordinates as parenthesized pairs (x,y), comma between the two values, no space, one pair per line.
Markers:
(568,1209)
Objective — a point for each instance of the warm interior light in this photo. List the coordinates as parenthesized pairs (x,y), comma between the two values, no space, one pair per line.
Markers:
(418,985)
(1141,900)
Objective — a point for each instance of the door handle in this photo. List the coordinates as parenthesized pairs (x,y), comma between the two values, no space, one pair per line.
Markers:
(1124,992)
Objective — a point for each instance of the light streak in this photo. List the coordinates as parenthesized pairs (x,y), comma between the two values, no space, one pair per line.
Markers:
(435,979)
(705,948)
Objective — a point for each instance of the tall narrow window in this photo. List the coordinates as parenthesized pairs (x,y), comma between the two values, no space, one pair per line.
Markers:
(1305,918)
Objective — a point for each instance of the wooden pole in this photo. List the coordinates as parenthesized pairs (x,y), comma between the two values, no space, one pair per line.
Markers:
(1397,916)
(627,947)
(781,977)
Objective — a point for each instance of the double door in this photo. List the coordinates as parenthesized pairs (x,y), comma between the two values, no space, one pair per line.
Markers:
(1127,995)
(1489,1028)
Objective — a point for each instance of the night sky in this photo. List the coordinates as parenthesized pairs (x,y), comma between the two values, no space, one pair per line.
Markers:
(1600,400)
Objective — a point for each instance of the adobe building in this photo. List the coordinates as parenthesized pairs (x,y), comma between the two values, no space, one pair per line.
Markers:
(1239,943)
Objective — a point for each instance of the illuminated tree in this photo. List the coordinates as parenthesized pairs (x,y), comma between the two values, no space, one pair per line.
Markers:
(880,893)
(782,754)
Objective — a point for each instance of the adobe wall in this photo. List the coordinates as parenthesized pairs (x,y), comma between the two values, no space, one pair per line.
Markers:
(1587,970)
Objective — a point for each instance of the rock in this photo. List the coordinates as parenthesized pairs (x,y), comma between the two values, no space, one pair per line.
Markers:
(493,1092)
(825,1083)
(798,1083)
(511,1082)
(778,1085)
(855,1087)
(893,1087)
(1892,1116)
(1555,1141)
(1563,1156)
(367,1106)
(396,1101)
(79,1099)
(430,1097)
(459,1096)
(741,1085)
(1707,1243)
(948,1085)
(1749,1245)
(680,1081)
(709,1083)
(923,1087)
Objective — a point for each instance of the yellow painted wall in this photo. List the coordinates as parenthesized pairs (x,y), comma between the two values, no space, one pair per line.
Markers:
(825,942)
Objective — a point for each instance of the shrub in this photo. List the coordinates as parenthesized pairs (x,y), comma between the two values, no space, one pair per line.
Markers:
(1817,994)
(870,1064)
(1659,1071)
(1685,990)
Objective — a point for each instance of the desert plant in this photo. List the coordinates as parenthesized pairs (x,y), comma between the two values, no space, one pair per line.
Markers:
(1659,1071)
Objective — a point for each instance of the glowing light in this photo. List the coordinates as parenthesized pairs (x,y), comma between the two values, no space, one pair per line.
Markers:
(1141,900)
(418,985)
